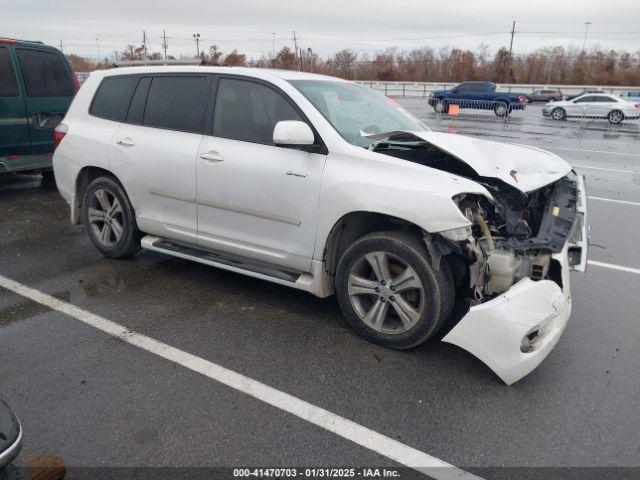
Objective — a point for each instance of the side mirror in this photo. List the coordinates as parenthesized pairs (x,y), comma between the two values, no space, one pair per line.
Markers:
(293,133)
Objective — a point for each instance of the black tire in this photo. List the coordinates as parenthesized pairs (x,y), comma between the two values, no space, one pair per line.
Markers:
(502,109)
(48,176)
(440,106)
(129,241)
(438,287)
(615,117)
(558,113)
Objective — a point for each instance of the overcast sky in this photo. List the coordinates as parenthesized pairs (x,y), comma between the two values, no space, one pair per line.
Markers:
(326,26)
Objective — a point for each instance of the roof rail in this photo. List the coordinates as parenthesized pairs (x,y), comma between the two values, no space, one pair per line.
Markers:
(20,40)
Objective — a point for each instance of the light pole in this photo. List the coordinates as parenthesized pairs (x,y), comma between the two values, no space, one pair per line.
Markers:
(98,47)
(586,31)
(273,49)
(197,37)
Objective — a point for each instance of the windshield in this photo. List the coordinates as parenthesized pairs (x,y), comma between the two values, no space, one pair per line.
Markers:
(355,111)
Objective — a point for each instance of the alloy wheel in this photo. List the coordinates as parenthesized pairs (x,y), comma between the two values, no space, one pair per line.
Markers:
(106,217)
(386,292)
(615,116)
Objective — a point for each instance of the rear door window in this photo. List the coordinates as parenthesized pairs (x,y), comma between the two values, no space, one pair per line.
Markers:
(112,98)
(44,74)
(249,111)
(8,82)
(177,102)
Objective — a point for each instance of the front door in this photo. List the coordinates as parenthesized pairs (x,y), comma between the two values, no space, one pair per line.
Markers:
(256,200)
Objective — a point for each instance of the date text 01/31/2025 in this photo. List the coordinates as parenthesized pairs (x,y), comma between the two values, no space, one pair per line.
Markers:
(316,472)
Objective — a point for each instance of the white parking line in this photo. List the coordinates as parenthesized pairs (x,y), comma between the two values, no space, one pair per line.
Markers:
(625,202)
(341,426)
(606,169)
(613,266)
(593,151)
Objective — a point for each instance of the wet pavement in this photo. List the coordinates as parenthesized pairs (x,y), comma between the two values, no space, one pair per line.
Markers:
(96,401)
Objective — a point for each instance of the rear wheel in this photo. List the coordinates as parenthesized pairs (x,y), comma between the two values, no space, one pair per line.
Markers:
(615,117)
(48,178)
(501,109)
(558,114)
(110,219)
(389,291)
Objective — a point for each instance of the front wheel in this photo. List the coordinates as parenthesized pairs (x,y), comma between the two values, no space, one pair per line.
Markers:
(110,219)
(615,117)
(389,291)
(558,114)
(440,106)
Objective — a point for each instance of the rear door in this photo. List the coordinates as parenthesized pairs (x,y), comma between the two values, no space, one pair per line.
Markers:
(14,131)
(49,90)
(600,106)
(155,152)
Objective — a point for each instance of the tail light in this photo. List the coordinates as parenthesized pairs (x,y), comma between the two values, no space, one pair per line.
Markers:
(75,81)
(637,106)
(58,134)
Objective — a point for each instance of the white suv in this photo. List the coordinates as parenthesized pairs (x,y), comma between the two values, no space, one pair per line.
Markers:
(326,186)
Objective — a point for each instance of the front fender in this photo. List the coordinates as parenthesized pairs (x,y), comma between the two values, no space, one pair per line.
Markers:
(376,183)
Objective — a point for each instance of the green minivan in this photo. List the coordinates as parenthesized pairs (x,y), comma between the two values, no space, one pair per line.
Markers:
(37,85)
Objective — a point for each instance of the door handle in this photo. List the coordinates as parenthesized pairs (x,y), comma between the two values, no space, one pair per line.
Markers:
(126,142)
(211,157)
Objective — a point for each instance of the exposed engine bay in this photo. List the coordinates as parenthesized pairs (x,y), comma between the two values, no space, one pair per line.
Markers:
(511,237)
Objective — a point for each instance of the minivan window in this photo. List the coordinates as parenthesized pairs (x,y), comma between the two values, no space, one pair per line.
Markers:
(249,111)
(8,83)
(112,98)
(177,102)
(44,74)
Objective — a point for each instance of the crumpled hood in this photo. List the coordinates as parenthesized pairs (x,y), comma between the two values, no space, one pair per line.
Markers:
(523,167)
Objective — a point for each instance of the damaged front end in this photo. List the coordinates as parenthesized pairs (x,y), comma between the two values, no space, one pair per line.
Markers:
(514,235)
(512,260)
(519,252)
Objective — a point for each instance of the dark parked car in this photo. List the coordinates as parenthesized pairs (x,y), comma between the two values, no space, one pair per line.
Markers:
(545,95)
(477,95)
(587,90)
(36,89)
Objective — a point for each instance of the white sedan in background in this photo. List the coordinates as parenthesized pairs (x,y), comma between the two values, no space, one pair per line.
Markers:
(592,105)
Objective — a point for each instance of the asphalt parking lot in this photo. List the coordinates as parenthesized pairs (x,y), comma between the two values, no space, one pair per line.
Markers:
(98,401)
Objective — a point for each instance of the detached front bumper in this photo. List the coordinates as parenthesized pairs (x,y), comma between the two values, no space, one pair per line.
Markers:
(531,314)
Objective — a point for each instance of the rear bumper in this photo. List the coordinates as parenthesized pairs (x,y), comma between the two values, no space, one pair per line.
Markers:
(25,163)
(494,331)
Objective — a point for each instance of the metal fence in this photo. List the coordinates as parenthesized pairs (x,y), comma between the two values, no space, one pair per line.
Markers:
(424,89)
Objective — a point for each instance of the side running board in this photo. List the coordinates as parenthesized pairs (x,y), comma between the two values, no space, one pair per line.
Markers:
(219,260)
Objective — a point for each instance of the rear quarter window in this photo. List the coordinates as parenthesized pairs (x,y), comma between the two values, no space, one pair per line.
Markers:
(8,82)
(44,74)
(112,98)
